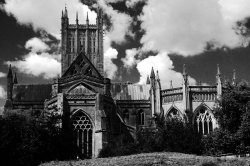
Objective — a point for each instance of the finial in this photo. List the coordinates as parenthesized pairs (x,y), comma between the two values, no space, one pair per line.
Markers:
(76,17)
(157,75)
(15,79)
(234,77)
(10,72)
(218,70)
(87,19)
(171,84)
(152,75)
(148,81)
(184,69)
(66,12)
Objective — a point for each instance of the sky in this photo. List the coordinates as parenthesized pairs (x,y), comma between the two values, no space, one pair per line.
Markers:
(139,35)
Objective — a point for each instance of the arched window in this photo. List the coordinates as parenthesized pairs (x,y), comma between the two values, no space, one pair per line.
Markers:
(173,114)
(204,121)
(82,133)
(141,117)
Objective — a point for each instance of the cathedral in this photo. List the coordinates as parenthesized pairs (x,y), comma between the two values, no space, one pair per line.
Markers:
(97,110)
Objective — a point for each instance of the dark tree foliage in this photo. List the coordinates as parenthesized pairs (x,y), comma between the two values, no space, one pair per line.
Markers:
(28,141)
(233,115)
(167,135)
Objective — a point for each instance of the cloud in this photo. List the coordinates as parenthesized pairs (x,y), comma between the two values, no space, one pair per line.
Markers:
(185,27)
(130,60)
(2,74)
(46,14)
(2,93)
(120,23)
(164,65)
(36,45)
(38,65)
(109,67)
(38,62)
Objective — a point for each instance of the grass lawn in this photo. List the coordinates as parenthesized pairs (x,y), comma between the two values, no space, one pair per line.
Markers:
(155,159)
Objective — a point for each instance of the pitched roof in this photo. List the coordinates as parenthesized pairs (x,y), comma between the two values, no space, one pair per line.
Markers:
(35,93)
(125,91)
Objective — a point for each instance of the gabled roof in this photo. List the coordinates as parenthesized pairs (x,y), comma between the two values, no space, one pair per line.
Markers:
(82,64)
(33,93)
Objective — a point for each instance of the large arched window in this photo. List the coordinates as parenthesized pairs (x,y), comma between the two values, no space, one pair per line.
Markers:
(203,120)
(82,130)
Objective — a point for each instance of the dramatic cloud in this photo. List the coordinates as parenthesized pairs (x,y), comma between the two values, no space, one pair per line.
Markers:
(109,67)
(120,23)
(38,62)
(36,45)
(46,14)
(2,74)
(2,93)
(130,61)
(38,65)
(164,65)
(186,27)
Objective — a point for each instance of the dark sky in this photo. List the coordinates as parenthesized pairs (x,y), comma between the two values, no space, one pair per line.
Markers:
(201,67)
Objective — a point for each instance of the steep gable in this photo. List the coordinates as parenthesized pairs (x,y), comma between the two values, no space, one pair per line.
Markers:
(81,65)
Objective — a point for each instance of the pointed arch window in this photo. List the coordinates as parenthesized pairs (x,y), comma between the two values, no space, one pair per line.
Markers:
(203,121)
(174,114)
(141,117)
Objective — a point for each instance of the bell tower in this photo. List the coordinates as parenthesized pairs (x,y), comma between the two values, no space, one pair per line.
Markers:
(85,39)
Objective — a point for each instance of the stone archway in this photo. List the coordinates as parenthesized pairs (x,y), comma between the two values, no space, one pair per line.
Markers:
(82,134)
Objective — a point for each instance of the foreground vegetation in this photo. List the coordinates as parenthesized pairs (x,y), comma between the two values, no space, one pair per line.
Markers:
(155,159)
(28,139)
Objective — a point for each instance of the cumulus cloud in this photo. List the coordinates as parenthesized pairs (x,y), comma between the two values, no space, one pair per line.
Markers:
(38,65)
(109,67)
(2,93)
(185,27)
(38,62)
(2,74)
(36,45)
(120,23)
(46,14)
(164,65)
(130,60)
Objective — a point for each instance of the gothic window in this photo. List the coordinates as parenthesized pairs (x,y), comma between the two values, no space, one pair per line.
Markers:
(173,114)
(141,117)
(82,134)
(203,121)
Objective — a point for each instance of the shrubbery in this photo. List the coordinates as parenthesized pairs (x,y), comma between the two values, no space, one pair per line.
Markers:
(168,135)
(26,140)
(233,135)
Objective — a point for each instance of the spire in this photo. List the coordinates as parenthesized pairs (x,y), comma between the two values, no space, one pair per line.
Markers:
(171,84)
(15,79)
(184,70)
(10,75)
(218,70)
(157,75)
(234,77)
(66,12)
(62,13)
(152,75)
(87,19)
(148,81)
(77,18)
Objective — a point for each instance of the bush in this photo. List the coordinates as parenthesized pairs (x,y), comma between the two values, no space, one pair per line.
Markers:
(28,141)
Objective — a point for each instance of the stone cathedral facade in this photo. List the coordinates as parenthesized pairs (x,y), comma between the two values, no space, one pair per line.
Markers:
(99,111)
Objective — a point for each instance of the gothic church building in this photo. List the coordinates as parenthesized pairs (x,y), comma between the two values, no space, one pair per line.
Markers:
(99,111)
